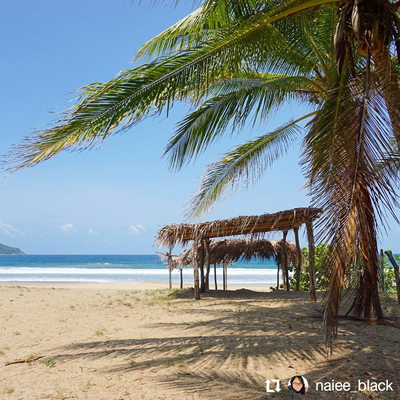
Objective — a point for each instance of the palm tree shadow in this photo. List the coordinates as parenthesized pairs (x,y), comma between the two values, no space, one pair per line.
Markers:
(230,352)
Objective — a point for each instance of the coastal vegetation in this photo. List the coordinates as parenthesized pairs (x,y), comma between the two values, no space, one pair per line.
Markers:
(239,62)
(388,280)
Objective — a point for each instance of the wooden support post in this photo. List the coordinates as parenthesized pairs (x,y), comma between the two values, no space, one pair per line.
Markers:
(381,273)
(277,277)
(170,266)
(311,256)
(396,273)
(207,250)
(196,268)
(285,267)
(224,276)
(181,276)
(299,257)
(215,276)
(202,276)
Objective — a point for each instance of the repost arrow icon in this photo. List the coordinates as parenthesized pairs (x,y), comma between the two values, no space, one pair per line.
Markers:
(269,390)
(278,385)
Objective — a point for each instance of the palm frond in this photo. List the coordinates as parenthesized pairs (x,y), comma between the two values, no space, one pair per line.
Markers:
(210,19)
(199,26)
(103,109)
(252,96)
(344,149)
(245,163)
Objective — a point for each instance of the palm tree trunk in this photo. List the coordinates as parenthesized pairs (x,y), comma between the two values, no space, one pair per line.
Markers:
(390,87)
(373,247)
(369,251)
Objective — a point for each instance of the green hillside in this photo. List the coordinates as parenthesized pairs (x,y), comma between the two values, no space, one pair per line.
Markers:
(9,250)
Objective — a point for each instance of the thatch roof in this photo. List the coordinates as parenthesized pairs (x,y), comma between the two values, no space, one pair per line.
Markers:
(232,250)
(165,259)
(256,226)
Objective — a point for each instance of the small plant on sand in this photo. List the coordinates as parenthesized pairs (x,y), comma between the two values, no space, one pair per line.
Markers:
(182,365)
(88,385)
(100,332)
(49,362)
(272,360)
(8,390)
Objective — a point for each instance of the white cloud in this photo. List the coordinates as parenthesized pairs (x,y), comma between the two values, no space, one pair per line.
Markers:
(136,229)
(9,230)
(93,232)
(68,229)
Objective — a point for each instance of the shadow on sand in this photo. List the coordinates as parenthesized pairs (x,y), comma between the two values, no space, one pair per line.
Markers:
(242,338)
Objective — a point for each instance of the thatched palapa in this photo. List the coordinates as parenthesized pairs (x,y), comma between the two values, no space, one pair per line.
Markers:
(255,227)
(233,250)
(229,251)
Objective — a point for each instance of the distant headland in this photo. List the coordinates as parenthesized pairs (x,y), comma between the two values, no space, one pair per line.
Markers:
(7,250)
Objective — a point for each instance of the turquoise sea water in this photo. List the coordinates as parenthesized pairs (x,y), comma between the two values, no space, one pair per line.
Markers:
(119,268)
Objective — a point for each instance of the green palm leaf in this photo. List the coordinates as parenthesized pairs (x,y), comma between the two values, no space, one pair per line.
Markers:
(245,163)
(254,96)
(104,109)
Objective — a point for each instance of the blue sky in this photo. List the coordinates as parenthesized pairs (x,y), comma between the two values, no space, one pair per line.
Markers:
(114,199)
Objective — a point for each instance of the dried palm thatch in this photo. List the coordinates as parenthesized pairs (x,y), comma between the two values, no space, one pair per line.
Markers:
(170,259)
(255,226)
(229,251)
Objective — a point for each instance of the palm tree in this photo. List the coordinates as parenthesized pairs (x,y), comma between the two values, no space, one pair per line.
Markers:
(347,139)
(242,60)
(373,27)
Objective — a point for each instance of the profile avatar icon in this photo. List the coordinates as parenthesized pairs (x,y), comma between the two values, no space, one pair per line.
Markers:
(298,385)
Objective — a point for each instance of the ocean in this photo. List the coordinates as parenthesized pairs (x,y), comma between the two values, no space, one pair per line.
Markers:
(120,268)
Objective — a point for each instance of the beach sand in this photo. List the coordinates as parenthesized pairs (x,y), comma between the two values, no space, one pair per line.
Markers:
(141,341)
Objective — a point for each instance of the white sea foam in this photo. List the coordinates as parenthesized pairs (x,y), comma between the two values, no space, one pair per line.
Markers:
(106,268)
(116,271)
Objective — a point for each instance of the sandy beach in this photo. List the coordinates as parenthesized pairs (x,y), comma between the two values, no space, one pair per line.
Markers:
(142,341)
